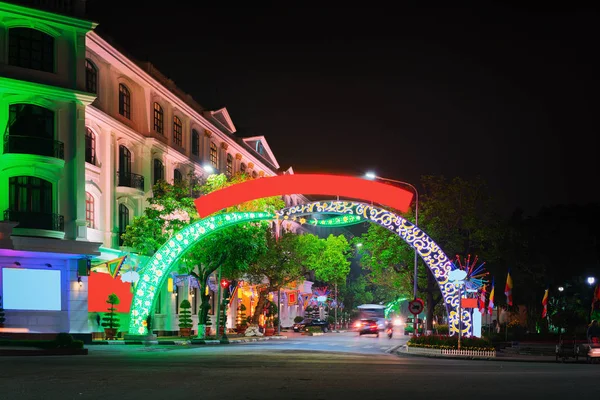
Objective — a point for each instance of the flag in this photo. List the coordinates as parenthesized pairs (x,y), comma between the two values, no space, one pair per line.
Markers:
(508,289)
(491,302)
(545,304)
(481,302)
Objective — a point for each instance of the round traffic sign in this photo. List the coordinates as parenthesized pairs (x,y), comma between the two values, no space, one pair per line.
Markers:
(416,306)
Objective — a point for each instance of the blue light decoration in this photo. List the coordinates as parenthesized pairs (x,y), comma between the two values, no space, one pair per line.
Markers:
(476,274)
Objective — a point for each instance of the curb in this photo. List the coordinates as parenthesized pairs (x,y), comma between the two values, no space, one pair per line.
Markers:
(44,352)
(508,359)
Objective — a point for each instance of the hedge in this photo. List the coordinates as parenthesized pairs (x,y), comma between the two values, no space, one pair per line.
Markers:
(450,342)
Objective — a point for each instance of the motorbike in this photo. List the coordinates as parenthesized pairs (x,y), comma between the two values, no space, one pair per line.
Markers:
(389,330)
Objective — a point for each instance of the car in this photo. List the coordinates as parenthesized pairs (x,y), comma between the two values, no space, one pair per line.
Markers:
(306,322)
(368,327)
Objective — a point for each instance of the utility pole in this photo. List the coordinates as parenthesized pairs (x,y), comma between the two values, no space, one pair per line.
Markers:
(218,313)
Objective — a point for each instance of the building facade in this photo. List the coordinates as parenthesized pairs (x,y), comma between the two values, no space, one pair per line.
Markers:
(88,131)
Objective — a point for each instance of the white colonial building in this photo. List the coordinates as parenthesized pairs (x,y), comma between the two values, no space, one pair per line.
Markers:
(87,132)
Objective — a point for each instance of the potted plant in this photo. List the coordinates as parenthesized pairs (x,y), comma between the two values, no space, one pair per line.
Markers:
(111,319)
(208,325)
(269,328)
(2,319)
(185,320)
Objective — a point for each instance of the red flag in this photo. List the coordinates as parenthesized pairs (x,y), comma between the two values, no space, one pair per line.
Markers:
(491,302)
(508,289)
(545,304)
(481,301)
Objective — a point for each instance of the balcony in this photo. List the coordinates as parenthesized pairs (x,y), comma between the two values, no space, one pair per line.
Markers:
(16,144)
(35,220)
(130,180)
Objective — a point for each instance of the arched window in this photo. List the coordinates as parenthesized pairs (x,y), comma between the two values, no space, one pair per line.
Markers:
(31,131)
(124,101)
(195,142)
(30,48)
(91,77)
(243,168)
(158,119)
(123,221)
(90,146)
(229,165)
(254,174)
(177,132)
(177,176)
(214,155)
(124,161)
(159,171)
(89,210)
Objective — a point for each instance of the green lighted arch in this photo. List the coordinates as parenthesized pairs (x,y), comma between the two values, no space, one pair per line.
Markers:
(161,263)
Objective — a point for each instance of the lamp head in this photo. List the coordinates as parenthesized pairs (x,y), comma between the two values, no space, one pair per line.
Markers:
(208,168)
(561,289)
(591,280)
(370,175)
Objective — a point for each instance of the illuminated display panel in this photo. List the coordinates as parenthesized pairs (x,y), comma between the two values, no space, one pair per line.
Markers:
(31,289)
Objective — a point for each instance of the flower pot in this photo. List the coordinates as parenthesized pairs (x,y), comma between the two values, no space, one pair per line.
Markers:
(110,333)
(269,331)
(185,332)
(207,331)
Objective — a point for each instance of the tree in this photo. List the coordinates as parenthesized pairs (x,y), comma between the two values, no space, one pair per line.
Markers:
(185,320)
(328,258)
(111,319)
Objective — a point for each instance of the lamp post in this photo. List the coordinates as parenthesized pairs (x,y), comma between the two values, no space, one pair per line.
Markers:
(457,277)
(371,175)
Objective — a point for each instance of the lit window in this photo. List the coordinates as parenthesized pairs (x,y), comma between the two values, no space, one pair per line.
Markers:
(195,142)
(177,131)
(29,48)
(90,146)
(158,118)
(91,77)
(214,157)
(229,165)
(89,210)
(124,101)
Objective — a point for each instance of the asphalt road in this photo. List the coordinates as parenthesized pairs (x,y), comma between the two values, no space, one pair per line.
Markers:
(320,367)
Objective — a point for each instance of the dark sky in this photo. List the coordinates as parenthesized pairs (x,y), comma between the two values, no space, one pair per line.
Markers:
(508,94)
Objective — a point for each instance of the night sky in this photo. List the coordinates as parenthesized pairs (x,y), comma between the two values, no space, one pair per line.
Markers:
(508,94)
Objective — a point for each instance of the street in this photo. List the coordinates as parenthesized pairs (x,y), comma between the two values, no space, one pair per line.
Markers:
(333,366)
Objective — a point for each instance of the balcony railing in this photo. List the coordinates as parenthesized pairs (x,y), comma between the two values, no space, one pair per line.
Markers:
(36,220)
(130,180)
(16,144)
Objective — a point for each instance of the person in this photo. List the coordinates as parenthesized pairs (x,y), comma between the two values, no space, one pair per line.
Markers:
(593,332)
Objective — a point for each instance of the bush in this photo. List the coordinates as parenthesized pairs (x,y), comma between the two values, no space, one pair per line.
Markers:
(63,340)
(314,329)
(442,329)
(111,319)
(298,319)
(185,320)
(450,342)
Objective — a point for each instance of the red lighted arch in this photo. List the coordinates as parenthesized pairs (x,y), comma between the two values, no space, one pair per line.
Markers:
(316,184)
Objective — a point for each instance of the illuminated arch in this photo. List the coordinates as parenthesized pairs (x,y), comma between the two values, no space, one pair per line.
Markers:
(160,265)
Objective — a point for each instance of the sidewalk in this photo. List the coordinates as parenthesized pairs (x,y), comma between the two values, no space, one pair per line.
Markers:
(190,341)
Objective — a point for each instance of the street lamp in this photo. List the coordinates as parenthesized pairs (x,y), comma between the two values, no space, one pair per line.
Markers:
(561,289)
(591,280)
(208,169)
(371,175)
(358,244)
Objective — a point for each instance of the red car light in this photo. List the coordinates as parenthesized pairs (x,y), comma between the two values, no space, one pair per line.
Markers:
(374,326)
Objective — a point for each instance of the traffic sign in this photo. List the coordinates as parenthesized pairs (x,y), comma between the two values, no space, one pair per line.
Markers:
(416,306)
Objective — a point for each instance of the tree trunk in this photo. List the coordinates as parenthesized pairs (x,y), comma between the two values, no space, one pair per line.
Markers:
(431,301)
(260,305)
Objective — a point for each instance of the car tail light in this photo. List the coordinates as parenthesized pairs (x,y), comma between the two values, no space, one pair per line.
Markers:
(374,326)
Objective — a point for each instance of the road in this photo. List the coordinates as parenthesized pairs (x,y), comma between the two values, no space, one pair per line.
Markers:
(333,366)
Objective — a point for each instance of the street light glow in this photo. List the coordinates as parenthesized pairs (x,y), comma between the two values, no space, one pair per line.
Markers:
(358,244)
(370,175)
(560,288)
(591,280)
(208,168)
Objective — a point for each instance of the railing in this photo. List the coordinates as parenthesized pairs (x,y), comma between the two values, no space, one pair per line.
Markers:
(36,220)
(130,180)
(16,144)
(451,352)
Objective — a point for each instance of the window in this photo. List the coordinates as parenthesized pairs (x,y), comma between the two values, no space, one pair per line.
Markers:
(30,120)
(195,142)
(254,174)
(159,171)
(177,177)
(260,148)
(229,165)
(91,77)
(29,48)
(158,118)
(214,157)
(177,132)
(29,194)
(124,101)
(243,168)
(89,210)
(123,221)
(90,146)
(124,162)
